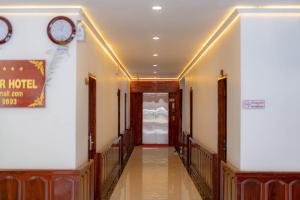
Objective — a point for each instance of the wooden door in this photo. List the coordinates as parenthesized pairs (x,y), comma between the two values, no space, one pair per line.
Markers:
(173,118)
(136,116)
(92,117)
(180,111)
(125,111)
(119,112)
(222,119)
(191,112)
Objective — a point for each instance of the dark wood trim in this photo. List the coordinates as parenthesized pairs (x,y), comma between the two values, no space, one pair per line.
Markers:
(136,116)
(222,119)
(154,86)
(180,109)
(137,88)
(125,111)
(191,111)
(174,118)
(241,185)
(92,134)
(48,184)
(119,112)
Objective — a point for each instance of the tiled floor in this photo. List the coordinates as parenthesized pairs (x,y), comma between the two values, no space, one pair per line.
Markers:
(155,174)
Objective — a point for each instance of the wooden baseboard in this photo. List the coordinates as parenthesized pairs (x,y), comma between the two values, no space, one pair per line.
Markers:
(47,184)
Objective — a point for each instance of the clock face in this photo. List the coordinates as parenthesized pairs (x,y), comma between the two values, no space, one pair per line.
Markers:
(5,30)
(61,30)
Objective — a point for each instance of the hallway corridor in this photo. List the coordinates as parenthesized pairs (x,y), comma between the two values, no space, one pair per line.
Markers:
(155,174)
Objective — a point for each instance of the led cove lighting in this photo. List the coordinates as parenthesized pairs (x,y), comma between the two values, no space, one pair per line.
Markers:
(229,20)
(233,15)
(156,8)
(155,38)
(64,10)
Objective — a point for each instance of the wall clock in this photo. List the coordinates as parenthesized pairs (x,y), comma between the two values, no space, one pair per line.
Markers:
(5,30)
(61,30)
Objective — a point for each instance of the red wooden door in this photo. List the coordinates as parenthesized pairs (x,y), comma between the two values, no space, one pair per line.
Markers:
(180,112)
(92,117)
(136,116)
(125,111)
(119,112)
(222,119)
(173,118)
(191,112)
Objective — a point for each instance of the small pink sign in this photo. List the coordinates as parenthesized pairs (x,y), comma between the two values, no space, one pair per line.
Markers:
(254,104)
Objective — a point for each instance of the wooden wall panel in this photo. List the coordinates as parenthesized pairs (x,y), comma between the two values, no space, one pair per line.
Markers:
(63,188)
(10,188)
(259,185)
(36,188)
(154,86)
(251,189)
(275,190)
(47,184)
(294,190)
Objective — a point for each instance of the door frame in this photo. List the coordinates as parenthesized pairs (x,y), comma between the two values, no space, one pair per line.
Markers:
(191,111)
(137,88)
(92,116)
(125,111)
(119,112)
(222,118)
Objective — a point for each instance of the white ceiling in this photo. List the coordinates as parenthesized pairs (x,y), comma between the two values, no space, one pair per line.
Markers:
(182,25)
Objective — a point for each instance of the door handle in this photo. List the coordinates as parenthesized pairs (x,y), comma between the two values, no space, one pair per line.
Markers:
(91,142)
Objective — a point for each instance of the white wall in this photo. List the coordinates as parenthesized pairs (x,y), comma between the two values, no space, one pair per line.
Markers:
(270,71)
(203,78)
(44,137)
(56,137)
(93,59)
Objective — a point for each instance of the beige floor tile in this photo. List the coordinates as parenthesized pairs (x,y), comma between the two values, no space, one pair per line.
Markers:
(155,174)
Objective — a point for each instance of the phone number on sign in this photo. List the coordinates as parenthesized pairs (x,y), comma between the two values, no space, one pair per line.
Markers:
(9,101)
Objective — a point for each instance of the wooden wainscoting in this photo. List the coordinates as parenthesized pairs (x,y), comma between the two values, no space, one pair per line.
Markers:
(127,146)
(109,167)
(239,185)
(202,164)
(183,143)
(47,184)
(110,163)
(204,170)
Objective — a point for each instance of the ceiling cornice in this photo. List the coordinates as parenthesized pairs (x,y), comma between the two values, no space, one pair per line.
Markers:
(69,10)
(230,18)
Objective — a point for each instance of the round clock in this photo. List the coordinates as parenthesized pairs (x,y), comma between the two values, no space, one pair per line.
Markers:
(61,30)
(5,30)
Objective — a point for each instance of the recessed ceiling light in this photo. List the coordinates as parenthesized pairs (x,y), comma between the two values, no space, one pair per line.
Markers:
(156,7)
(155,38)
(154,65)
(154,72)
(155,55)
